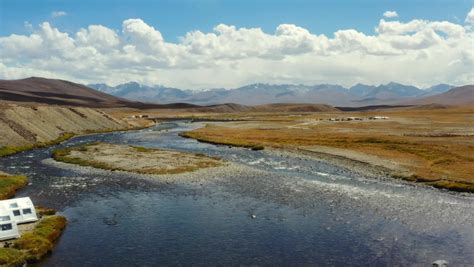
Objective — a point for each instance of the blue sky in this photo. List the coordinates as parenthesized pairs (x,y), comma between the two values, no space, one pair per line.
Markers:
(176,18)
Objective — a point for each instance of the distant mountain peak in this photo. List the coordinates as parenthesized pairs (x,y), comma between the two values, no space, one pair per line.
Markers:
(394,84)
(266,93)
(132,83)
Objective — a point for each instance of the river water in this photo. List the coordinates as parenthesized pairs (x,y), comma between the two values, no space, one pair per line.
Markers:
(274,209)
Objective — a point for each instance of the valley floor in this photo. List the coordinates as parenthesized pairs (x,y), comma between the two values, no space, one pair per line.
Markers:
(430,146)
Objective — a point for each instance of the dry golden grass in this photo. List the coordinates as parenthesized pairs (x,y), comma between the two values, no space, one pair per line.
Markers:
(436,145)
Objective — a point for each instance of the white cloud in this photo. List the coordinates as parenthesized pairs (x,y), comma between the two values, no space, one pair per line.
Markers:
(418,52)
(470,17)
(97,36)
(390,14)
(56,14)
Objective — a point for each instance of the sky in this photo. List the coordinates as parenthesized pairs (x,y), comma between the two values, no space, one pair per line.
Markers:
(210,44)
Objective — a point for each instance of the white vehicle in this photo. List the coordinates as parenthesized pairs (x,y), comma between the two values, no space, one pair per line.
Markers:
(22,209)
(8,227)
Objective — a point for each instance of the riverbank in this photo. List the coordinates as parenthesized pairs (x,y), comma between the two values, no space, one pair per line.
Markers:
(9,184)
(35,242)
(259,196)
(441,157)
(29,126)
(38,238)
(134,159)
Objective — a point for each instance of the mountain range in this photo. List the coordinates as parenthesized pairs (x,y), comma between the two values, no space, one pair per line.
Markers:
(36,90)
(60,92)
(260,93)
(255,97)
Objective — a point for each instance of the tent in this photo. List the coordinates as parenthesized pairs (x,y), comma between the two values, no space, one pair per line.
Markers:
(22,208)
(8,227)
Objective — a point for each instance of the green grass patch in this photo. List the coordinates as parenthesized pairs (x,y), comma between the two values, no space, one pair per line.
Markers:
(11,150)
(12,257)
(33,246)
(441,184)
(111,130)
(9,185)
(40,241)
(143,149)
(236,143)
(453,186)
(62,154)
(43,211)
(50,227)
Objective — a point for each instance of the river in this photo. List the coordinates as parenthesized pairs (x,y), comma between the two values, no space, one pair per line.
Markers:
(276,209)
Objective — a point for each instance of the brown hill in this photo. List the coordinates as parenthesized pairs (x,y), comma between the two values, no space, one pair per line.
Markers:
(223,108)
(60,92)
(280,107)
(284,107)
(458,96)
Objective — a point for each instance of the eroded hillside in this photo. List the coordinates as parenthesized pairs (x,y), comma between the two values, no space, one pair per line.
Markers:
(22,125)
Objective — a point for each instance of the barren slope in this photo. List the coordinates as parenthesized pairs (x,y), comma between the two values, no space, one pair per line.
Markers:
(26,125)
(284,107)
(60,92)
(463,95)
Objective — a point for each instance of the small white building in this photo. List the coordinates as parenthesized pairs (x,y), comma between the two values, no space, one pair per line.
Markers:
(8,227)
(22,209)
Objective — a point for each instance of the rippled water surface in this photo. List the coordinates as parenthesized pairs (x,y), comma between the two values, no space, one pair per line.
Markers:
(275,209)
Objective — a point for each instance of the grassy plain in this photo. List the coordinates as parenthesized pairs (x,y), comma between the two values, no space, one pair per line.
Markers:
(429,145)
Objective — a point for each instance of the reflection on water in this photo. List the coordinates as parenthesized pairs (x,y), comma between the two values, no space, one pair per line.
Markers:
(282,210)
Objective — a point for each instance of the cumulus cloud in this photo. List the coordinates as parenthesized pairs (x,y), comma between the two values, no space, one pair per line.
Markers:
(56,14)
(97,36)
(390,14)
(470,17)
(419,52)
